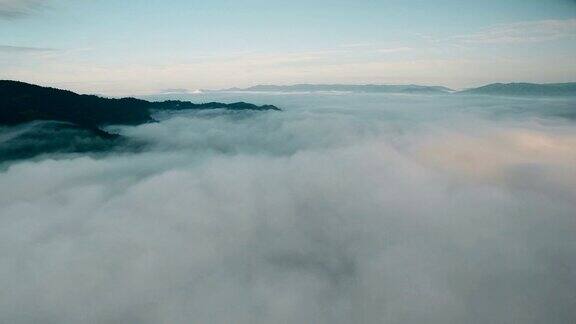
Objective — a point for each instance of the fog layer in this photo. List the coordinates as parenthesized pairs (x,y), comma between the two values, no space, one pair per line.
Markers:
(339,209)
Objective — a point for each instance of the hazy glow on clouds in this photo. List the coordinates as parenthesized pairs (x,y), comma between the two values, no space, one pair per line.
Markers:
(485,158)
(340,209)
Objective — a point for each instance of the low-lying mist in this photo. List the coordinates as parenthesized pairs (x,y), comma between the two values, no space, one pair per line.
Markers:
(341,208)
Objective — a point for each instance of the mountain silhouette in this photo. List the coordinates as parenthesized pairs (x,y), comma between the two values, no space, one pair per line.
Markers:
(22,102)
(37,120)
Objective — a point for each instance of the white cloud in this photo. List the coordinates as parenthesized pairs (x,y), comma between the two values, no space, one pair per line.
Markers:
(336,210)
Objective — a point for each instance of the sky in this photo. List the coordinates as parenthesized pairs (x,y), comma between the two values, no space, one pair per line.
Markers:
(144,47)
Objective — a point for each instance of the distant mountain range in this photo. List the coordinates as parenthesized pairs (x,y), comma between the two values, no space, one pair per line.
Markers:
(366,88)
(499,89)
(53,120)
(47,120)
(525,89)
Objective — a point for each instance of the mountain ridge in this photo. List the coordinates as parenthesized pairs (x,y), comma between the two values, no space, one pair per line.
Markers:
(22,102)
(498,89)
(40,120)
(524,89)
(365,88)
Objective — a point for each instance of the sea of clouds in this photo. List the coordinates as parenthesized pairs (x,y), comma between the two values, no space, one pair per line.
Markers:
(343,208)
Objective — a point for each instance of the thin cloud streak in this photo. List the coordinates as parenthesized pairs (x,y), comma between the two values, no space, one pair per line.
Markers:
(23,49)
(11,9)
(523,32)
(394,50)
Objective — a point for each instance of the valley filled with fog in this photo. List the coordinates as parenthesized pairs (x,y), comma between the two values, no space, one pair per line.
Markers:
(341,208)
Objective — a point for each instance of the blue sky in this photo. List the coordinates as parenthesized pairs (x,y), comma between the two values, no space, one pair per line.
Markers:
(137,47)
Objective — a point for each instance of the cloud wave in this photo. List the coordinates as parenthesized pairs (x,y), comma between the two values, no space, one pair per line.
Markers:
(340,209)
